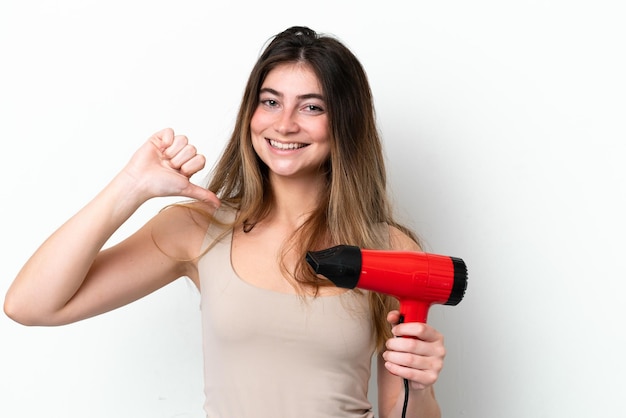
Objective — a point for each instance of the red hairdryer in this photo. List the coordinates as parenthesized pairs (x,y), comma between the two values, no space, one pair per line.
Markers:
(417,279)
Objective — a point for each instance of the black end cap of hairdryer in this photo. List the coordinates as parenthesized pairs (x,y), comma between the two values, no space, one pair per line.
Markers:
(460,282)
(340,264)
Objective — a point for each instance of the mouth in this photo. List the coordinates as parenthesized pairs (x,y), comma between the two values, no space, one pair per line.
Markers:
(286,146)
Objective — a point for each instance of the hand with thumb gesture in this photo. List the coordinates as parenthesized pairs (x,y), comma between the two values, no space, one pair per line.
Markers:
(163,166)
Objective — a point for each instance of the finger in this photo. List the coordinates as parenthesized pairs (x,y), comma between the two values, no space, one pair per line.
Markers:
(419,379)
(178,144)
(411,352)
(393,317)
(417,330)
(422,369)
(184,155)
(419,339)
(193,165)
(407,365)
(416,347)
(163,139)
(200,193)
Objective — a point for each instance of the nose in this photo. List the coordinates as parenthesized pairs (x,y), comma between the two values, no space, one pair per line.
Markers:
(286,122)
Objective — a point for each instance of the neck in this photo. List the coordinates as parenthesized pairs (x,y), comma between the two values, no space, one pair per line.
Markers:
(294,199)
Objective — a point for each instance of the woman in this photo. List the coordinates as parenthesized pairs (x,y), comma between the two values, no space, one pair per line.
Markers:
(303,170)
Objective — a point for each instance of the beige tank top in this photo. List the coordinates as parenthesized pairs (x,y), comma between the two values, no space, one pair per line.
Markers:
(273,355)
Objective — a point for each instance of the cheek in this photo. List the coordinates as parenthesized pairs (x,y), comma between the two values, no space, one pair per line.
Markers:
(255,122)
(321,131)
(322,137)
(256,129)
(327,156)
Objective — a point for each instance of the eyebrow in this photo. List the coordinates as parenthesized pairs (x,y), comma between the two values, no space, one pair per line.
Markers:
(300,97)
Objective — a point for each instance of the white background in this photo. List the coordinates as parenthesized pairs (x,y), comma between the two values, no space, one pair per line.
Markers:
(504,128)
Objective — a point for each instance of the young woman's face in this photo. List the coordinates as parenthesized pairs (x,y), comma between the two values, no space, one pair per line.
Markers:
(289,128)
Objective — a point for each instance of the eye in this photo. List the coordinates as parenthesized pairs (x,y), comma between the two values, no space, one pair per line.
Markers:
(269,102)
(312,108)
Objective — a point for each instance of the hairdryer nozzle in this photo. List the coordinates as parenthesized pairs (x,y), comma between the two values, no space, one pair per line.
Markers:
(341,264)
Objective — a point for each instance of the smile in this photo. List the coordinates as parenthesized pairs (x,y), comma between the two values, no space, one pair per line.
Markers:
(286,146)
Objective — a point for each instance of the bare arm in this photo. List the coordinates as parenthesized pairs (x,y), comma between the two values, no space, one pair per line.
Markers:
(418,359)
(70,278)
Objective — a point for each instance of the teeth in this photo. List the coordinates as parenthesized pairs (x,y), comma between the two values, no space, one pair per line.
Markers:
(283,146)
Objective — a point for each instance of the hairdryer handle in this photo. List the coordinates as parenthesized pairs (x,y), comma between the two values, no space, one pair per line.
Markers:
(413,311)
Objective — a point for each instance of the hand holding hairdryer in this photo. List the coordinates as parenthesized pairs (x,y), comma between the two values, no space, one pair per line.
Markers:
(417,279)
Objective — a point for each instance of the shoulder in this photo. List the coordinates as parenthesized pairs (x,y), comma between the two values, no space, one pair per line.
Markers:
(400,241)
(179,229)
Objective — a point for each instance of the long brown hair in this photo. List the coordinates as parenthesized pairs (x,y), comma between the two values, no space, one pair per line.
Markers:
(355,203)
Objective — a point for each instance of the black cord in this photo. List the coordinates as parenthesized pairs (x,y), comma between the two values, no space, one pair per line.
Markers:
(406,382)
(406,397)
